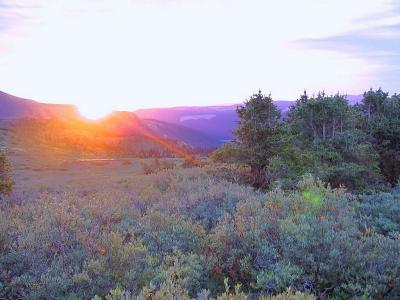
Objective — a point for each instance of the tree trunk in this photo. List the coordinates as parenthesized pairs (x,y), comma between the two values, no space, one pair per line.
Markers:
(258,177)
(369,111)
(315,132)
(341,125)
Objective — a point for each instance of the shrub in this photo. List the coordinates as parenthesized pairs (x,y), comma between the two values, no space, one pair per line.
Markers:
(156,166)
(6,182)
(381,212)
(184,232)
(191,162)
(288,240)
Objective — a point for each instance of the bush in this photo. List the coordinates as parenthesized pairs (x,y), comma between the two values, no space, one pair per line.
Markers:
(191,162)
(173,291)
(6,182)
(304,240)
(156,166)
(185,232)
(381,212)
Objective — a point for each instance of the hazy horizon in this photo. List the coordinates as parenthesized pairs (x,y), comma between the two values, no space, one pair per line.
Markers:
(125,55)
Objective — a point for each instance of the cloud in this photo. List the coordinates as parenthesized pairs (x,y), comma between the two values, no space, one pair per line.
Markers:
(377,42)
(202,51)
(15,13)
(8,18)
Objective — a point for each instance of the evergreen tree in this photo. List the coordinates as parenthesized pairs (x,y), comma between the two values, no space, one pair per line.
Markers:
(382,123)
(321,117)
(374,102)
(324,140)
(257,136)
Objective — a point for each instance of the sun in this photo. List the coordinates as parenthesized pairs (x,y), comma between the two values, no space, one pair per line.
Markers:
(93,113)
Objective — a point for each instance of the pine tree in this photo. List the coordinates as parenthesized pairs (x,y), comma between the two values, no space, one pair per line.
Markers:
(257,136)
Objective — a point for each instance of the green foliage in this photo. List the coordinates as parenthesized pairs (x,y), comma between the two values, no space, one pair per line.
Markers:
(382,122)
(288,240)
(374,102)
(256,136)
(235,294)
(321,117)
(227,153)
(381,212)
(312,191)
(353,146)
(289,295)
(321,137)
(116,294)
(185,232)
(171,291)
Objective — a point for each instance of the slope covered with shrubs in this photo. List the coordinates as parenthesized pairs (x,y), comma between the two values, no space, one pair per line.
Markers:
(187,234)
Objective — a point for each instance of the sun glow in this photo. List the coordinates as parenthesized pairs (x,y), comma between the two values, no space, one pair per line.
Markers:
(93,113)
(164,53)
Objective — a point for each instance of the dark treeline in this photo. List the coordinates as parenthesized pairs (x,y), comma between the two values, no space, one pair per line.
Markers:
(357,147)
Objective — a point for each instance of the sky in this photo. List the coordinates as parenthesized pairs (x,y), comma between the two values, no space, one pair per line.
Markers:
(128,54)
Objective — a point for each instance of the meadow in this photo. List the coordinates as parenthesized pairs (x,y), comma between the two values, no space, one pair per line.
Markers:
(78,229)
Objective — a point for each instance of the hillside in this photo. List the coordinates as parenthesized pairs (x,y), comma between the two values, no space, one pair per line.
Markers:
(12,107)
(125,124)
(128,124)
(204,127)
(215,121)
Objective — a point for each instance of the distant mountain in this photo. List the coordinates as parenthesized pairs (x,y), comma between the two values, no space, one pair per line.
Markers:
(200,127)
(187,135)
(122,123)
(128,123)
(12,107)
(354,99)
(215,121)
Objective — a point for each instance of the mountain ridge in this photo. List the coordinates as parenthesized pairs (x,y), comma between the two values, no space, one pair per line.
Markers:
(13,107)
(123,123)
(196,126)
